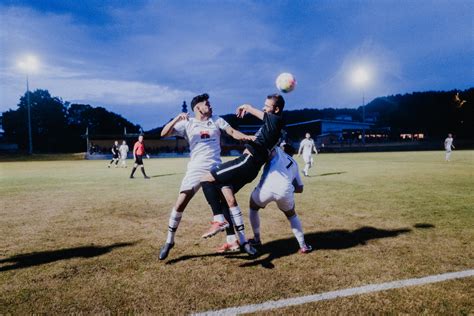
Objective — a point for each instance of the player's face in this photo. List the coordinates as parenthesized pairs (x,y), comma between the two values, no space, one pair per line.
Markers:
(269,106)
(140,139)
(204,107)
(307,135)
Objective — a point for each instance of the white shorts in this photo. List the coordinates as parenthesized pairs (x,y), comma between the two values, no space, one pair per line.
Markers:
(308,159)
(262,198)
(193,176)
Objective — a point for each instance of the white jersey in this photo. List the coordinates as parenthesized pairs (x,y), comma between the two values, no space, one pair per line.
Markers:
(279,174)
(204,139)
(123,151)
(307,146)
(448,143)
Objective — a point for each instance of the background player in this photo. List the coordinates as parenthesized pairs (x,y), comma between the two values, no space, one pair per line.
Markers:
(123,149)
(203,133)
(279,181)
(448,146)
(115,154)
(307,147)
(231,176)
(138,153)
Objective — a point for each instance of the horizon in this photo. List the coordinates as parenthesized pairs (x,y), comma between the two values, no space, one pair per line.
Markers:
(141,60)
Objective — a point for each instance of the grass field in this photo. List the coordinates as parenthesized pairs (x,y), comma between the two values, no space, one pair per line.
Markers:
(78,237)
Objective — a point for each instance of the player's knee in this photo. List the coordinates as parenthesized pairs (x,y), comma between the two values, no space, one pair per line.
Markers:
(290,213)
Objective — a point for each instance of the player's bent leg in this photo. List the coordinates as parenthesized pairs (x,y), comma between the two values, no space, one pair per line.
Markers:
(297,230)
(254,218)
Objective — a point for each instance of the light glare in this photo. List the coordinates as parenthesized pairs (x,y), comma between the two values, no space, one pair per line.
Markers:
(29,64)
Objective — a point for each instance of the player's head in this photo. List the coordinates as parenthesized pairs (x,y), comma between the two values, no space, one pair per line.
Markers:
(274,104)
(288,149)
(124,143)
(200,104)
(140,138)
(116,142)
(307,135)
(450,135)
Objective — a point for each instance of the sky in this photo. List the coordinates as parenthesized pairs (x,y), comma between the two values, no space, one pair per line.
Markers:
(143,58)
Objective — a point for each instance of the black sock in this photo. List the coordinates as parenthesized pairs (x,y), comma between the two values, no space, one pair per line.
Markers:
(133,171)
(111,162)
(213,196)
(116,162)
(143,171)
(225,209)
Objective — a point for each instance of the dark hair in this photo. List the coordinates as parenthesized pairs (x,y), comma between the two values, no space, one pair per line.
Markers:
(279,101)
(199,98)
(289,150)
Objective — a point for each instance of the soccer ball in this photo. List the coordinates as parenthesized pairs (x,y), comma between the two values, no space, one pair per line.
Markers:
(285,82)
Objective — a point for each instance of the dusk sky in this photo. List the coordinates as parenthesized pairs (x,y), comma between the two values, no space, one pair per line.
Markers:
(141,59)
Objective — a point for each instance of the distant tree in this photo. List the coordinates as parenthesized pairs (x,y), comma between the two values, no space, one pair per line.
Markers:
(48,122)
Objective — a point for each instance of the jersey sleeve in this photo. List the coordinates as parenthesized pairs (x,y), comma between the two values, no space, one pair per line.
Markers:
(221,123)
(179,129)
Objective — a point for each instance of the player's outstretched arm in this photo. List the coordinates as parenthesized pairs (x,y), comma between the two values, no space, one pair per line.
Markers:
(166,131)
(235,134)
(247,108)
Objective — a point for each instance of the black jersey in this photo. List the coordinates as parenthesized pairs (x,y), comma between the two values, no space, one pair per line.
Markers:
(267,136)
(115,151)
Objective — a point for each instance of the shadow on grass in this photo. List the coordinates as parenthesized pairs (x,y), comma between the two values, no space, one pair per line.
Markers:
(39,258)
(333,239)
(164,175)
(330,173)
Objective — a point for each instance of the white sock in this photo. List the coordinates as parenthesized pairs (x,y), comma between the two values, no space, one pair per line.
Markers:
(231,239)
(306,168)
(238,221)
(175,218)
(255,222)
(219,218)
(297,229)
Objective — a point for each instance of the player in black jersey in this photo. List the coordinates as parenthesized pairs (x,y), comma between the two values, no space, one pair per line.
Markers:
(115,154)
(229,177)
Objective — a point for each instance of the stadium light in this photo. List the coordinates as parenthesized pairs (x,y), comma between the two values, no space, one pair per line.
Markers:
(361,79)
(29,64)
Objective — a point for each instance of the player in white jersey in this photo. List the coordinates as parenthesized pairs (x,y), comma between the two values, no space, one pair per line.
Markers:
(123,149)
(448,146)
(279,181)
(307,147)
(203,133)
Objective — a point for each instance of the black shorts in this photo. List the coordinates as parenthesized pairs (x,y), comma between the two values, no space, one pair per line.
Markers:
(139,159)
(238,172)
(115,156)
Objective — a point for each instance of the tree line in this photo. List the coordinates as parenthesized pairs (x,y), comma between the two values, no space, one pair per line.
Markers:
(59,126)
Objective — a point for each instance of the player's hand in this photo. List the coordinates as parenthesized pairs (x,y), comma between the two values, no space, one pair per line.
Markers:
(250,138)
(242,110)
(148,156)
(182,117)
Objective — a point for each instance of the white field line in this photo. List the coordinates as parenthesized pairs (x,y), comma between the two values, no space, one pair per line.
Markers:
(339,293)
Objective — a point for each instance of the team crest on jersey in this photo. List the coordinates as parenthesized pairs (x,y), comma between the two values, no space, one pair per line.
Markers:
(205,134)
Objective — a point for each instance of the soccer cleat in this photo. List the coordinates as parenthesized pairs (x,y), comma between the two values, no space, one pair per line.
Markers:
(254,242)
(147,177)
(229,247)
(132,177)
(306,249)
(216,227)
(249,249)
(165,250)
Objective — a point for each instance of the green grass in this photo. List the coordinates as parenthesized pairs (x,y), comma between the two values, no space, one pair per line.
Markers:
(78,237)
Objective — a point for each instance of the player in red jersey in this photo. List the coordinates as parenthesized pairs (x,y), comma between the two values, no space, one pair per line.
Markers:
(138,153)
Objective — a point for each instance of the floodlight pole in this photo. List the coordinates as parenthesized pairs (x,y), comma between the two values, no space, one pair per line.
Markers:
(30,141)
(363,116)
